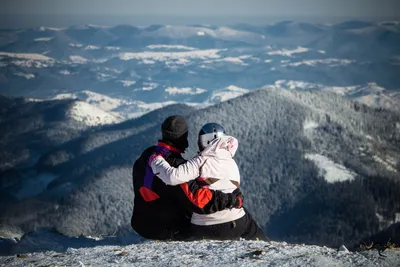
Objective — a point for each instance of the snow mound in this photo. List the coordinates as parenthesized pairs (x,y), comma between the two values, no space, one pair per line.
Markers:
(29,56)
(43,29)
(25,75)
(287,53)
(331,171)
(331,62)
(112,48)
(78,59)
(100,101)
(91,115)
(298,85)
(43,39)
(181,32)
(166,56)
(184,91)
(65,72)
(127,83)
(51,249)
(92,47)
(181,47)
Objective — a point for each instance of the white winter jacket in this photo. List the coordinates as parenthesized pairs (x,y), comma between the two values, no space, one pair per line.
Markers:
(214,167)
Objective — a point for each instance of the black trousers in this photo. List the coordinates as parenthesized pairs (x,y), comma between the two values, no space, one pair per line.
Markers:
(244,227)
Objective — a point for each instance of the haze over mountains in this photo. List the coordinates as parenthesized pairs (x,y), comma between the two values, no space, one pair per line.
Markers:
(79,104)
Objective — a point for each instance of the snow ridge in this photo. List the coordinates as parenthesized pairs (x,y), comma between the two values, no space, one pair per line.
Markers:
(132,250)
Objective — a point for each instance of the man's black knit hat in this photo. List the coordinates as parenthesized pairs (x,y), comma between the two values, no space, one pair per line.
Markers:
(175,130)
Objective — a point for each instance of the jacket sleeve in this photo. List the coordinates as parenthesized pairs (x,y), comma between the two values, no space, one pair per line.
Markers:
(174,176)
(202,200)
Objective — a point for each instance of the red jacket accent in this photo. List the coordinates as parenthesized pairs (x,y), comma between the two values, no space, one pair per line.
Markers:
(147,194)
(201,197)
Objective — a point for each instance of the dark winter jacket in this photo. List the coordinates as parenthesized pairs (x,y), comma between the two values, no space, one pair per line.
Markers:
(163,212)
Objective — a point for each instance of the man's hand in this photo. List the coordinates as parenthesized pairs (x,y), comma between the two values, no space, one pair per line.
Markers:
(238,197)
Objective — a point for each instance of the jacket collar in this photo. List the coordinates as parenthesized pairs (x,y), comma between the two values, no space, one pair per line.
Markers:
(169,147)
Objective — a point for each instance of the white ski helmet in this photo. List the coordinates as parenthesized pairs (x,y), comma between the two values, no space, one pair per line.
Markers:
(209,132)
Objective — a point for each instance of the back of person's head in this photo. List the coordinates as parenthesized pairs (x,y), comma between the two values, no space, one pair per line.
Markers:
(175,132)
(208,133)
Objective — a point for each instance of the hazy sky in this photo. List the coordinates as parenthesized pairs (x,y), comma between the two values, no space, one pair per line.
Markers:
(201,8)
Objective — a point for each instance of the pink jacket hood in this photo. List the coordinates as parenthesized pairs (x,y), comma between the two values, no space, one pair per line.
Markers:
(224,146)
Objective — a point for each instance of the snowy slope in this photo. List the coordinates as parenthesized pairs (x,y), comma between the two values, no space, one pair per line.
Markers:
(101,101)
(91,115)
(55,250)
(81,111)
(226,93)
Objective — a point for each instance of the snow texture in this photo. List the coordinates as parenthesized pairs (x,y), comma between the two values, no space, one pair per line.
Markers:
(51,249)
(331,171)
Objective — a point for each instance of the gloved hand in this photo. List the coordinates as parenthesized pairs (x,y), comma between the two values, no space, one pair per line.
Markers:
(238,198)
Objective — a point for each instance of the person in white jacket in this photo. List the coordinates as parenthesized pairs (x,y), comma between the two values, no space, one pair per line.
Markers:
(215,169)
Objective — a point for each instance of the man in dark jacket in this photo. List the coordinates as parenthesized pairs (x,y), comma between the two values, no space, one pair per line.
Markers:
(161,211)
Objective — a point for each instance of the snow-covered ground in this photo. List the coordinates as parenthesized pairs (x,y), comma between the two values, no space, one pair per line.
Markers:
(52,249)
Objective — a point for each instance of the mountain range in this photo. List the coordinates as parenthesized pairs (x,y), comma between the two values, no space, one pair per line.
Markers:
(152,65)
